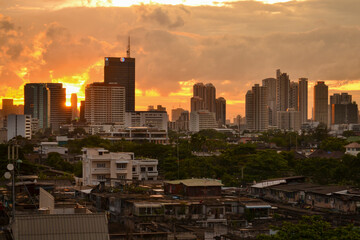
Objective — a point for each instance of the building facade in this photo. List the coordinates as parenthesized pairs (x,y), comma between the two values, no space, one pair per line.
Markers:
(105,103)
(303,99)
(321,102)
(289,120)
(256,109)
(100,165)
(200,120)
(152,119)
(59,113)
(270,84)
(19,125)
(221,111)
(122,71)
(37,103)
(282,91)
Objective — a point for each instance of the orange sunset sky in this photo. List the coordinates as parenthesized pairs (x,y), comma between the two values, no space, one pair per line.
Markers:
(176,43)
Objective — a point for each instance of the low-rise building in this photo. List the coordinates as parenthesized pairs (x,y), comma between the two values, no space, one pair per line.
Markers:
(352,148)
(193,188)
(100,165)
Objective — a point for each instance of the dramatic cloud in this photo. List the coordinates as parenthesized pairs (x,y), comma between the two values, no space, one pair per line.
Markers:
(233,45)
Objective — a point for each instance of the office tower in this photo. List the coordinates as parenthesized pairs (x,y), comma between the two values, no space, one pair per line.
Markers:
(176,113)
(8,107)
(202,119)
(197,103)
(321,102)
(256,109)
(82,111)
(344,113)
(105,103)
(210,98)
(270,84)
(37,103)
(288,120)
(58,112)
(282,91)
(74,109)
(122,72)
(303,99)
(199,90)
(342,110)
(19,125)
(294,95)
(221,111)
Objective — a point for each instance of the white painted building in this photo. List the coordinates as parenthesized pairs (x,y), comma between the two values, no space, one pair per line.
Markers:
(156,119)
(352,149)
(48,147)
(202,119)
(100,165)
(18,125)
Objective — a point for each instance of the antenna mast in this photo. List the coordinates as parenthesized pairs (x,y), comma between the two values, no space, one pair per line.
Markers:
(128,49)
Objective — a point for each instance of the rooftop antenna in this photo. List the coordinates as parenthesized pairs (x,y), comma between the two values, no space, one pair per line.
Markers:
(128,49)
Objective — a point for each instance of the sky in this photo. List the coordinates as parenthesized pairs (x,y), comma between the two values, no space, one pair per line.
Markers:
(176,43)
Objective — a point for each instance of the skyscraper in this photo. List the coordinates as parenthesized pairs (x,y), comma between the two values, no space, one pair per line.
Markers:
(199,90)
(210,98)
(270,84)
(197,103)
(293,96)
(221,111)
(58,112)
(74,109)
(256,109)
(37,103)
(105,103)
(303,99)
(321,102)
(122,72)
(282,91)
(342,110)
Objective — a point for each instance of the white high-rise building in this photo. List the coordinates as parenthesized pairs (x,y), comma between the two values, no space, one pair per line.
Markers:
(18,125)
(105,103)
(203,119)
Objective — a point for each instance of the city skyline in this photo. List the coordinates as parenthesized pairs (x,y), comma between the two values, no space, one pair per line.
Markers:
(177,45)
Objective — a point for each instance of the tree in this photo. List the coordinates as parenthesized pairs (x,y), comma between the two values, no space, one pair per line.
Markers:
(312,227)
(333,144)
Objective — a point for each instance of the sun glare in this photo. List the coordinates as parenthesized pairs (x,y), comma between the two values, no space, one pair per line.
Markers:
(122,3)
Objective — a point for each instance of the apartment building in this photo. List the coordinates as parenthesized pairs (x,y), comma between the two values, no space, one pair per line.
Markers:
(100,165)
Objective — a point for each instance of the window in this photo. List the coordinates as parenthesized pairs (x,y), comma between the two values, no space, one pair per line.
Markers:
(121,176)
(121,165)
(150,169)
(100,153)
(100,165)
(143,169)
(134,169)
(101,177)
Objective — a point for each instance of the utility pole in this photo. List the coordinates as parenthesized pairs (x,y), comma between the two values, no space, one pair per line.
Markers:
(13,155)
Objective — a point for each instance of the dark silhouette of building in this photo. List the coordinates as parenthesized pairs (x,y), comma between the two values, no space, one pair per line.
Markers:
(37,103)
(59,113)
(122,72)
(82,111)
(221,111)
(344,113)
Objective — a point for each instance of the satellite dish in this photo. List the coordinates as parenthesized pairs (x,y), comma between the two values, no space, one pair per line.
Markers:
(10,167)
(7,175)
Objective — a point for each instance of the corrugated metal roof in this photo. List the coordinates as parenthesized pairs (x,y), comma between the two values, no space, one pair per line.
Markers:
(61,226)
(194,182)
